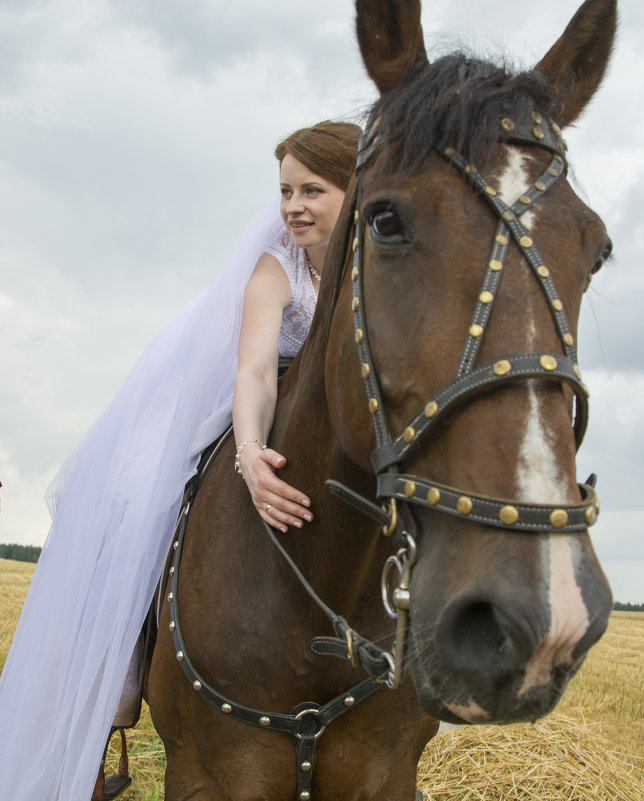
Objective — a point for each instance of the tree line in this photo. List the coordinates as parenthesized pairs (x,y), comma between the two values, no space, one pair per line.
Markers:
(620,607)
(21,553)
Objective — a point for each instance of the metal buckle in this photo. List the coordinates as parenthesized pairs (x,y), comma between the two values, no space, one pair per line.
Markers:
(350,654)
(392,511)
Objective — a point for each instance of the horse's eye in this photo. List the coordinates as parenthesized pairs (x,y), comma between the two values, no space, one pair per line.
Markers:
(386,223)
(602,259)
(599,263)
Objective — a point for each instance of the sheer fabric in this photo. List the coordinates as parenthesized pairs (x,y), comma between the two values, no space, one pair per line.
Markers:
(115,503)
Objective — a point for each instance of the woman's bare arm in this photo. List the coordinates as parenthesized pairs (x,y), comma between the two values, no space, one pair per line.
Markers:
(267,294)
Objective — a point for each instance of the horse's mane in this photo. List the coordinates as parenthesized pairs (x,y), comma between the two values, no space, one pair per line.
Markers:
(457,101)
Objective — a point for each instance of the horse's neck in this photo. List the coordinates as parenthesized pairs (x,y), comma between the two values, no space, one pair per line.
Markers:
(341,551)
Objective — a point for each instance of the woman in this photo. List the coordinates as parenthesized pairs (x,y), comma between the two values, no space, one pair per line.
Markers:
(279,299)
(117,498)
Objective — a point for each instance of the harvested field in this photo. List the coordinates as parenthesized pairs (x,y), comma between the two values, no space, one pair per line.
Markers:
(590,749)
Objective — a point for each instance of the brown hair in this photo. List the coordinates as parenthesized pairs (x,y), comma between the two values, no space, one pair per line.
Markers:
(328,149)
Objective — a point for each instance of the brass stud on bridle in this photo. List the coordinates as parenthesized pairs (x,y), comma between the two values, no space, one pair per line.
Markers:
(558,518)
(502,367)
(410,489)
(548,362)
(431,409)
(509,515)
(464,505)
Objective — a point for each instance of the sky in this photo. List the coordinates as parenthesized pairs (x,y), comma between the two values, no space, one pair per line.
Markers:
(136,142)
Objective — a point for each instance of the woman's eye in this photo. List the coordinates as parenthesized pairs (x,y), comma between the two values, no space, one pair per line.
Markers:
(386,223)
(287,193)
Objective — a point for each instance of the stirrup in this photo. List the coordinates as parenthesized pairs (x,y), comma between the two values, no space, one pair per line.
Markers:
(108,788)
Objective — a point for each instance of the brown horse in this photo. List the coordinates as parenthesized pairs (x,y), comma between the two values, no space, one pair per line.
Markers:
(456,310)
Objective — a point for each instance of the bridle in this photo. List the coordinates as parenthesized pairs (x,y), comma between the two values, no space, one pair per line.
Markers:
(401,491)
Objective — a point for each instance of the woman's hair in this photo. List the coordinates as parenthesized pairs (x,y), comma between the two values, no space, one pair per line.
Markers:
(328,149)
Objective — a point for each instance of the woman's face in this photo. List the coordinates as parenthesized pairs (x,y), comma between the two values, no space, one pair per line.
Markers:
(310,205)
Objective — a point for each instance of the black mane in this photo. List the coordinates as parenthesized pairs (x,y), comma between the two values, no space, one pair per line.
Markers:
(458,102)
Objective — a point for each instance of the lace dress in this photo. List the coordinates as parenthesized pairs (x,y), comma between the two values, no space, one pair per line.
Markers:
(297,316)
(116,501)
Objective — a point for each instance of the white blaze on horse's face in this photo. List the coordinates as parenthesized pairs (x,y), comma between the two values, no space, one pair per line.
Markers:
(515,181)
(540,479)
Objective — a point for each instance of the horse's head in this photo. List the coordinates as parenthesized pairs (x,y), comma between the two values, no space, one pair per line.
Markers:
(458,316)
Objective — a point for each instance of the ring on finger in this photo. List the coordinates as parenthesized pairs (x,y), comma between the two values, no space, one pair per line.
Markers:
(268,507)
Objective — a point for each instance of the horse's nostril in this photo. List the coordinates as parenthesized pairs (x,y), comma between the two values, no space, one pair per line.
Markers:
(479,635)
(472,636)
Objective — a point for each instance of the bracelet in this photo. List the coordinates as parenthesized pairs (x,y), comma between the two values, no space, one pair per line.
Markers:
(261,444)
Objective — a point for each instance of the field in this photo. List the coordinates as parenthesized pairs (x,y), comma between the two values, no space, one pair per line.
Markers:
(590,749)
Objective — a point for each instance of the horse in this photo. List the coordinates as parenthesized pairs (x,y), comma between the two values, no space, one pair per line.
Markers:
(438,395)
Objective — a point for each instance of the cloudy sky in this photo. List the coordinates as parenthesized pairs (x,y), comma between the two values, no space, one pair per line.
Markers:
(136,141)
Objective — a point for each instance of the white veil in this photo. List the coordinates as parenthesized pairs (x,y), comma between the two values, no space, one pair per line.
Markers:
(116,501)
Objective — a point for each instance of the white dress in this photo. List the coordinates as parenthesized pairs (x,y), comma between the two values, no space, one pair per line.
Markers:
(116,501)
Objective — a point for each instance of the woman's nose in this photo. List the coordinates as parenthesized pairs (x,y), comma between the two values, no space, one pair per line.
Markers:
(295,204)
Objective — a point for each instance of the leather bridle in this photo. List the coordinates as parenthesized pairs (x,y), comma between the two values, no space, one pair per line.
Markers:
(401,491)
(391,451)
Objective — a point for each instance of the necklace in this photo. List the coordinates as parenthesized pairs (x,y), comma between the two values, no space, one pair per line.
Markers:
(312,269)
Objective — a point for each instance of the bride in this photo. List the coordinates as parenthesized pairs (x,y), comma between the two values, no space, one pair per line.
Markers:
(116,499)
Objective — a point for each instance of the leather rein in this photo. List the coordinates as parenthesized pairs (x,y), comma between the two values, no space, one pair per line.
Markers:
(400,491)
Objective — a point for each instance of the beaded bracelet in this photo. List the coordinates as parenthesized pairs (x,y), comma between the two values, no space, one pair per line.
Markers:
(261,444)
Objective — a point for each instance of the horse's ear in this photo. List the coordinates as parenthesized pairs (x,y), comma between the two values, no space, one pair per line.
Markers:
(576,63)
(391,41)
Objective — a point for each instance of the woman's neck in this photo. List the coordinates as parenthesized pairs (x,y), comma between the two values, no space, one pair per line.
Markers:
(316,257)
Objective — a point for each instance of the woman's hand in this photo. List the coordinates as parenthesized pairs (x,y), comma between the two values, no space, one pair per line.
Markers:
(279,504)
